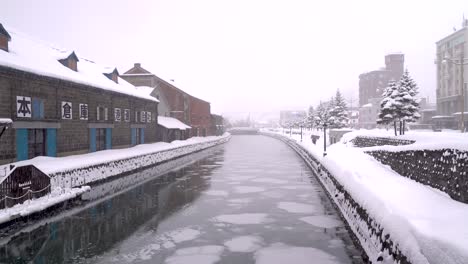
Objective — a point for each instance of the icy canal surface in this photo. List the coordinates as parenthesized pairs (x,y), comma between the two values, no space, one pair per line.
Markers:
(252,200)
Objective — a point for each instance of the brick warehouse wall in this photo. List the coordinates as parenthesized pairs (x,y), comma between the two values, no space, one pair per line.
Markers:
(201,116)
(73,135)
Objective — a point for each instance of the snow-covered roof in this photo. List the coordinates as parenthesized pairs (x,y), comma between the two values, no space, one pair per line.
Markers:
(171,123)
(4,121)
(27,54)
(367,105)
(442,117)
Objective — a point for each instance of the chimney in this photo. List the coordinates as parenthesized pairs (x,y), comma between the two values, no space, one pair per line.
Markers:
(4,38)
(71,61)
(137,65)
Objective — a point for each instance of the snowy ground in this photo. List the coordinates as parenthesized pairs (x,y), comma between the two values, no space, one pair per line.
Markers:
(61,192)
(78,170)
(429,226)
(51,165)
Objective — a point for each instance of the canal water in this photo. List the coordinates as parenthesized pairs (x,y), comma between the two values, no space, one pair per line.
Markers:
(251,200)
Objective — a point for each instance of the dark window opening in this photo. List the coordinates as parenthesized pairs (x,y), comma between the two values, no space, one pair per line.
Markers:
(100,139)
(36,143)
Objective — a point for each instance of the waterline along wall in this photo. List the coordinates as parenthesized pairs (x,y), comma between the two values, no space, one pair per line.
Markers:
(97,173)
(369,233)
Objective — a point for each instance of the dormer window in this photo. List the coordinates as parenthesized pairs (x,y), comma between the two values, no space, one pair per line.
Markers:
(4,38)
(112,75)
(70,61)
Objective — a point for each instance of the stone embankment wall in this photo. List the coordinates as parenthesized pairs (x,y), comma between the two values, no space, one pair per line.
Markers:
(101,172)
(443,169)
(365,141)
(375,241)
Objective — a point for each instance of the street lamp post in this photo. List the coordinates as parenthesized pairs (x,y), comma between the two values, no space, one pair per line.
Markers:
(460,63)
(324,140)
(301,133)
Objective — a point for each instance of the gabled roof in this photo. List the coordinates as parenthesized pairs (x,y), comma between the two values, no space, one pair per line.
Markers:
(34,56)
(109,70)
(4,32)
(137,69)
(67,55)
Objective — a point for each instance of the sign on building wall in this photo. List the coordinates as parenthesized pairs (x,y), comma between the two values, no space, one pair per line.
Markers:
(127,115)
(23,106)
(83,111)
(117,114)
(66,110)
(148,117)
(143,116)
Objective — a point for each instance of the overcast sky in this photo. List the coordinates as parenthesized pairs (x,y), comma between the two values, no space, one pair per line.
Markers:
(248,56)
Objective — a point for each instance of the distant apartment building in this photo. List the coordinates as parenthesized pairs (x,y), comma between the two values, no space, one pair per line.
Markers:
(372,85)
(451,76)
(290,117)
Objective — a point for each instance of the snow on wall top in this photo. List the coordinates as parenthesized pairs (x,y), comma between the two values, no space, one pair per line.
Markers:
(34,56)
(171,123)
(5,121)
(425,140)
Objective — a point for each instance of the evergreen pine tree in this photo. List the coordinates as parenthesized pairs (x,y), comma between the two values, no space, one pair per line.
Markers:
(409,91)
(323,115)
(310,117)
(390,106)
(339,111)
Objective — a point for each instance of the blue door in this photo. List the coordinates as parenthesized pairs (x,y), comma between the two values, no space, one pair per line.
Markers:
(21,144)
(142,136)
(133,136)
(92,140)
(108,138)
(51,141)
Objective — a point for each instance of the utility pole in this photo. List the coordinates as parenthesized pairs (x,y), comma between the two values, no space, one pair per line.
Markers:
(462,92)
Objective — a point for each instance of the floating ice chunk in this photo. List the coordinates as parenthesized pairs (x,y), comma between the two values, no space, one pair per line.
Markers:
(298,208)
(217,193)
(185,234)
(242,219)
(244,243)
(280,254)
(240,201)
(200,255)
(322,221)
(270,180)
(248,189)
(297,187)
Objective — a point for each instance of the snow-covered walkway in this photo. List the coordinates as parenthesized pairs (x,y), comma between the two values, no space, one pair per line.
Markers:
(428,225)
(77,170)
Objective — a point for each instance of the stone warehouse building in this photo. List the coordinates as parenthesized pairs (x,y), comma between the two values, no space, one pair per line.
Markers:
(174,102)
(63,104)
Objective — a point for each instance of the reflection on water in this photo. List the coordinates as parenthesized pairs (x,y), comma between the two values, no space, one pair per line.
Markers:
(98,227)
(249,201)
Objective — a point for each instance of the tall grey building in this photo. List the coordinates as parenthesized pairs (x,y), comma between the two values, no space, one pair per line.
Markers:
(451,76)
(373,83)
